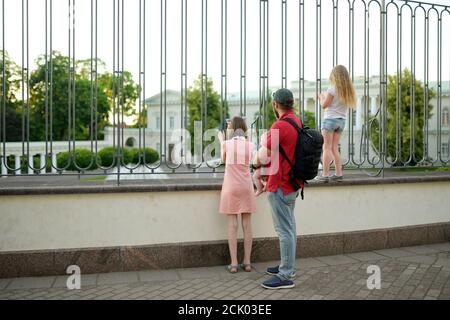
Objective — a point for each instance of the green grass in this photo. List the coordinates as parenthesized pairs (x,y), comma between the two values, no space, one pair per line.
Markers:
(98,178)
(414,169)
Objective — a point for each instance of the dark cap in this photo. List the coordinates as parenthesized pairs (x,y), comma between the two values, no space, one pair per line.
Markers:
(284,97)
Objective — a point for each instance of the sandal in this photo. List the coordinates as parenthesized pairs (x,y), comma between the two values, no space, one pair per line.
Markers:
(246,267)
(232,269)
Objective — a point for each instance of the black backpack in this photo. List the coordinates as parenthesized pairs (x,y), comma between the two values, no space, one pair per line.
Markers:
(308,151)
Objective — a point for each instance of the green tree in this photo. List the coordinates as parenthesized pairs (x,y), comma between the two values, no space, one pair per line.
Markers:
(405,104)
(123,84)
(11,102)
(309,119)
(59,97)
(84,118)
(213,106)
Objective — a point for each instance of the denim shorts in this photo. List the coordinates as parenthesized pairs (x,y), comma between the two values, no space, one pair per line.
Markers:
(333,125)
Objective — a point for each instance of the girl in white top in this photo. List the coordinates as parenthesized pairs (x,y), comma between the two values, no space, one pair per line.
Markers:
(336,100)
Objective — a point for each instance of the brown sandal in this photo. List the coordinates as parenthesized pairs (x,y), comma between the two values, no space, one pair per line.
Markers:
(246,267)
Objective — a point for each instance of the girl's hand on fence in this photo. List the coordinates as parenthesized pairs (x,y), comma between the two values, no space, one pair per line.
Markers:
(221,136)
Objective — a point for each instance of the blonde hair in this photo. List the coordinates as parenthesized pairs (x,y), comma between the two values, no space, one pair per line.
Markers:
(340,78)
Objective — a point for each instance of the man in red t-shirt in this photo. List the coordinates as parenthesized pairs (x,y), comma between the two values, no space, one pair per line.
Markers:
(280,193)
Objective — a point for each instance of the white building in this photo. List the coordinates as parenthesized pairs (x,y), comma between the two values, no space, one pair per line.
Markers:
(367,105)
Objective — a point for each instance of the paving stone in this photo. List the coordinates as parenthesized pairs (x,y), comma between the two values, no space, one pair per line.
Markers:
(4,283)
(394,253)
(441,247)
(31,282)
(419,259)
(158,275)
(117,277)
(421,250)
(307,263)
(366,256)
(337,260)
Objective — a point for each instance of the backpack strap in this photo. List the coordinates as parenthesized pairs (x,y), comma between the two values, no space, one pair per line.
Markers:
(292,122)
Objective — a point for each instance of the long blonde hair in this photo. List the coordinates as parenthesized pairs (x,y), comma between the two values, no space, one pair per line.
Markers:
(340,78)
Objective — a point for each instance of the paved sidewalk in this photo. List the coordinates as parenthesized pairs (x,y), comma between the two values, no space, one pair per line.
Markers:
(421,272)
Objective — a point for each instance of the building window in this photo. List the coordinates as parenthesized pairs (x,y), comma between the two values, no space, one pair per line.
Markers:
(444,150)
(445,117)
(172,123)
(158,120)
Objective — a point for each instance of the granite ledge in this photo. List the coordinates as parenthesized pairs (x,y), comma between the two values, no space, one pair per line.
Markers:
(163,185)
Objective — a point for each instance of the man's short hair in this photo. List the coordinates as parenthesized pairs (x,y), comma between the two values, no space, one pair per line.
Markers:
(284,97)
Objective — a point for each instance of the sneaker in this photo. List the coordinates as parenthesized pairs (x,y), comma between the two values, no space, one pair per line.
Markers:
(336,178)
(274,271)
(275,283)
(322,178)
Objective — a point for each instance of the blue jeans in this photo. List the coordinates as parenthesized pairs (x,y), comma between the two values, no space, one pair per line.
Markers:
(284,223)
(334,124)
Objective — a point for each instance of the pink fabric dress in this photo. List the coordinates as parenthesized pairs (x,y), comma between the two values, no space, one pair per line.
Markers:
(237,194)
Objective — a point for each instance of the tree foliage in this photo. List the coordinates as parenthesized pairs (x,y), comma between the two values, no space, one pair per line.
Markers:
(405,109)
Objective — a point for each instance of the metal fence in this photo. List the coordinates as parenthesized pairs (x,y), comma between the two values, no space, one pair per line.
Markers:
(391,126)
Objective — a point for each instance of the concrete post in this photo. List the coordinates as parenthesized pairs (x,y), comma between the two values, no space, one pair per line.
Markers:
(17,164)
(43,163)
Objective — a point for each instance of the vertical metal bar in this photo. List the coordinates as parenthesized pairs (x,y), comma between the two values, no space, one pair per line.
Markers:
(73,82)
(318,62)
(283,44)
(411,90)
(413,93)
(144,77)
(204,66)
(122,79)
(91,126)
(30,165)
(351,38)
(383,77)
(96,79)
(352,72)
(163,102)
(399,141)
(141,99)
(243,64)
(335,33)
(51,82)
(224,58)
(23,83)
(114,80)
(119,93)
(69,80)
(183,123)
(3,110)
(222,40)
(425,157)
(263,58)
(46,86)
(439,90)
(301,44)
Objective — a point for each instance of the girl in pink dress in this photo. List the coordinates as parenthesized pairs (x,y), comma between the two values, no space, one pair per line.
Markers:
(237,196)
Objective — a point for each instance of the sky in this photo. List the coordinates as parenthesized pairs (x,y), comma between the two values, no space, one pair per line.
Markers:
(13,38)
